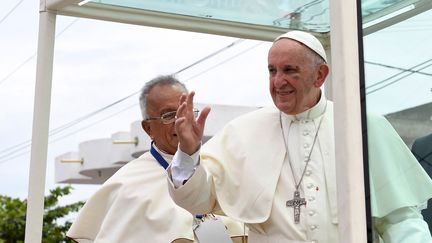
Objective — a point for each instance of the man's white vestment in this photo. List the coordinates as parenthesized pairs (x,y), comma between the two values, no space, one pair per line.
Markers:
(245,171)
(134,206)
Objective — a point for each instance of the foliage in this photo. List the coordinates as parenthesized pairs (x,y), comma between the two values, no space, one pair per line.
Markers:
(13,217)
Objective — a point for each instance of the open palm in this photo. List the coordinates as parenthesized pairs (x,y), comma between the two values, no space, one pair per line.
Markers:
(189,129)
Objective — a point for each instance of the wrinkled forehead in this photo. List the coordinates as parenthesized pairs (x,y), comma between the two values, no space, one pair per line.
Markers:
(287,50)
(164,98)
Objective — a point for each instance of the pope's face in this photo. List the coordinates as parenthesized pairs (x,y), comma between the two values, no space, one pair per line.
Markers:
(160,100)
(294,77)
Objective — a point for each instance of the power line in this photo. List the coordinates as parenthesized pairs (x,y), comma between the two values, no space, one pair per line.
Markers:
(14,146)
(224,61)
(34,54)
(17,68)
(15,156)
(5,158)
(212,67)
(23,145)
(18,147)
(397,74)
(396,80)
(15,149)
(398,68)
(94,123)
(129,107)
(11,11)
(211,55)
(65,126)
(404,30)
(72,123)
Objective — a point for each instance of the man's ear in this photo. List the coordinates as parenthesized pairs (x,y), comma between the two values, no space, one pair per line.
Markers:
(146,126)
(323,72)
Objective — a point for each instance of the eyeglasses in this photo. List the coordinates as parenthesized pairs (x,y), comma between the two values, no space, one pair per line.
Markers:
(169,117)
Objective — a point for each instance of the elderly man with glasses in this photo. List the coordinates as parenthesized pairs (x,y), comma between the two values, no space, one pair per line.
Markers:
(134,204)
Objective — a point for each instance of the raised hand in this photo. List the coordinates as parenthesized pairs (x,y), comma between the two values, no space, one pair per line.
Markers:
(189,130)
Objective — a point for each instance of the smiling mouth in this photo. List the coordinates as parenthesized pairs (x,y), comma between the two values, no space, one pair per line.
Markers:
(284,92)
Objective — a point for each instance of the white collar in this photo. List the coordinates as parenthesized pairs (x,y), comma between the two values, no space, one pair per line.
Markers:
(316,111)
(165,155)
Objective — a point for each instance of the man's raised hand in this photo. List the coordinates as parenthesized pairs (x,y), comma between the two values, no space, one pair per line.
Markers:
(189,130)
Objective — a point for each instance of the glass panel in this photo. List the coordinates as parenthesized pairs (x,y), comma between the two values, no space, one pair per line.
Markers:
(370,7)
(311,15)
(398,87)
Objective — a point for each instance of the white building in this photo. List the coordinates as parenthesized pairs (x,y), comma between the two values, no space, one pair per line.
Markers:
(98,159)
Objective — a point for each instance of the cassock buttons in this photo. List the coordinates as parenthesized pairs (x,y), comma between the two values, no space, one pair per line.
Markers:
(311,198)
(308,172)
(305,132)
(311,213)
(305,145)
(310,185)
(313,227)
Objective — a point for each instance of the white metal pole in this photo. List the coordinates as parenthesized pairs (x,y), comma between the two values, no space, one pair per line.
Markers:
(39,146)
(346,96)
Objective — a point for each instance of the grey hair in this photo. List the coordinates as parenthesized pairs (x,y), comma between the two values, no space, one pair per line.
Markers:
(315,57)
(160,80)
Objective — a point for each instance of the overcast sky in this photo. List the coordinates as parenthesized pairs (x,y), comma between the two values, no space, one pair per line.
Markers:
(405,45)
(97,63)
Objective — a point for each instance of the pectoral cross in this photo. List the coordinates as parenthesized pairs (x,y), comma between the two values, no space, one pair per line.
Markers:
(296,202)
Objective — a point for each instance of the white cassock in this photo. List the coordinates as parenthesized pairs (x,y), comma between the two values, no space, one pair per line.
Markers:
(245,171)
(134,206)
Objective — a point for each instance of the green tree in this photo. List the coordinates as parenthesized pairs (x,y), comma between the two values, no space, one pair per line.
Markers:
(13,217)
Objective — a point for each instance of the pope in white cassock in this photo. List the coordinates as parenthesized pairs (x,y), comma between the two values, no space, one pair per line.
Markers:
(274,168)
(134,206)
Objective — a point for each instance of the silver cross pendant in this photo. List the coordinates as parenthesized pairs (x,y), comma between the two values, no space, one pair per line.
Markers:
(296,202)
